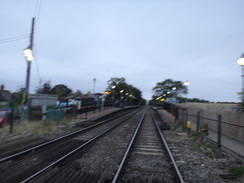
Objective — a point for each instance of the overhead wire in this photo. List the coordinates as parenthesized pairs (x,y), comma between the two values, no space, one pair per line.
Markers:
(37,15)
(16,38)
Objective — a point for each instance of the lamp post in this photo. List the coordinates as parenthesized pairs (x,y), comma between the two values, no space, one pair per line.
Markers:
(187,83)
(94,85)
(121,98)
(240,61)
(113,87)
(29,58)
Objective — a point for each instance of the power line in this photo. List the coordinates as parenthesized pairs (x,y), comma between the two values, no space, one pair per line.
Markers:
(16,38)
(38,8)
(37,12)
(37,66)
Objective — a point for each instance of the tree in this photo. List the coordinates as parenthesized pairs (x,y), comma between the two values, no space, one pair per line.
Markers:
(45,89)
(169,88)
(121,91)
(115,86)
(114,82)
(61,90)
(18,96)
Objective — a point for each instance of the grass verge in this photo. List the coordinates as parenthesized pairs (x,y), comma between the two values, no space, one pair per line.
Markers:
(39,128)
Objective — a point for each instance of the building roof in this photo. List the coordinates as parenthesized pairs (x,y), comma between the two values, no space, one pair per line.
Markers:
(78,95)
(5,95)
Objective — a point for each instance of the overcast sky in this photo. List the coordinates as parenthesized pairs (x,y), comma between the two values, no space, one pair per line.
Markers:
(144,41)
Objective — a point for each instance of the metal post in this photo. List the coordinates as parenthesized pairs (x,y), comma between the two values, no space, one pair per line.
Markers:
(198,121)
(11,115)
(219,131)
(86,112)
(242,87)
(186,116)
(176,114)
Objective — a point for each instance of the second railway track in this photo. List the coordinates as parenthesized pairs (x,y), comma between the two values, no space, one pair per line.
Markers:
(20,166)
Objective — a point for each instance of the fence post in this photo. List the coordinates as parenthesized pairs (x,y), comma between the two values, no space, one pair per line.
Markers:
(198,121)
(11,116)
(176,114)
(219,131)
(86,112)
(186,116)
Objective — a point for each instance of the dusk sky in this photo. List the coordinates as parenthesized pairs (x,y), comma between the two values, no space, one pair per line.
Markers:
(143,41)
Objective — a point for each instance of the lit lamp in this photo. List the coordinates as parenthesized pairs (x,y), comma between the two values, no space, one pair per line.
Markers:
(28,54)
(240,61)
(187,83)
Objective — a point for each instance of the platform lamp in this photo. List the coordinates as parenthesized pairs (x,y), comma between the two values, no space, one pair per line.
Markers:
(113,87)
(187,83)
(240,61)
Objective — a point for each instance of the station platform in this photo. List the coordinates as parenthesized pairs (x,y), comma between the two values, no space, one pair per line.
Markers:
(99,113)
(227,143)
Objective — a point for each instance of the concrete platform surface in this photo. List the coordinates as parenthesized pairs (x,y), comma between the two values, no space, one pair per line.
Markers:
(94,115)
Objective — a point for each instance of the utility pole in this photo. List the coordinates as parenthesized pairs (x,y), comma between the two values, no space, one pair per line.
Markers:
(94,84)
(29,58)
(29,63)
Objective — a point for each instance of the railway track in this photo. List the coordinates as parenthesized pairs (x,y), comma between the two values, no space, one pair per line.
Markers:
(98,162)
(19,166)
(148,158)
(130,150)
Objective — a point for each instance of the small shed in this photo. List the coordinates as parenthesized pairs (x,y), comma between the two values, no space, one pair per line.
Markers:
(43,100)
(43,106)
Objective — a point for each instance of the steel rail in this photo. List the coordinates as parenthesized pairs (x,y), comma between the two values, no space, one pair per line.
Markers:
(116,177)
(30,150)
(179,176)
(75,150)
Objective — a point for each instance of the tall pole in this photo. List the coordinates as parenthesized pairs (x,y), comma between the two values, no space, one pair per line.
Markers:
(27,83)
(187,83)
(242,84)
(29,63)
(94,84)
(240,61)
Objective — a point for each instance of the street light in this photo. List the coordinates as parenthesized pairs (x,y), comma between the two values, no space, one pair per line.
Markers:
(187,83)
(29,58)
(240,61)
(113,87)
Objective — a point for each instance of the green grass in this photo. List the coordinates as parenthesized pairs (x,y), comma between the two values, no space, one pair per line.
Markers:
(237,170)
(198,146)
(40,128)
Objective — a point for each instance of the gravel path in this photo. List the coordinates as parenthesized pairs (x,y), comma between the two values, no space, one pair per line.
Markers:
(199,162)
